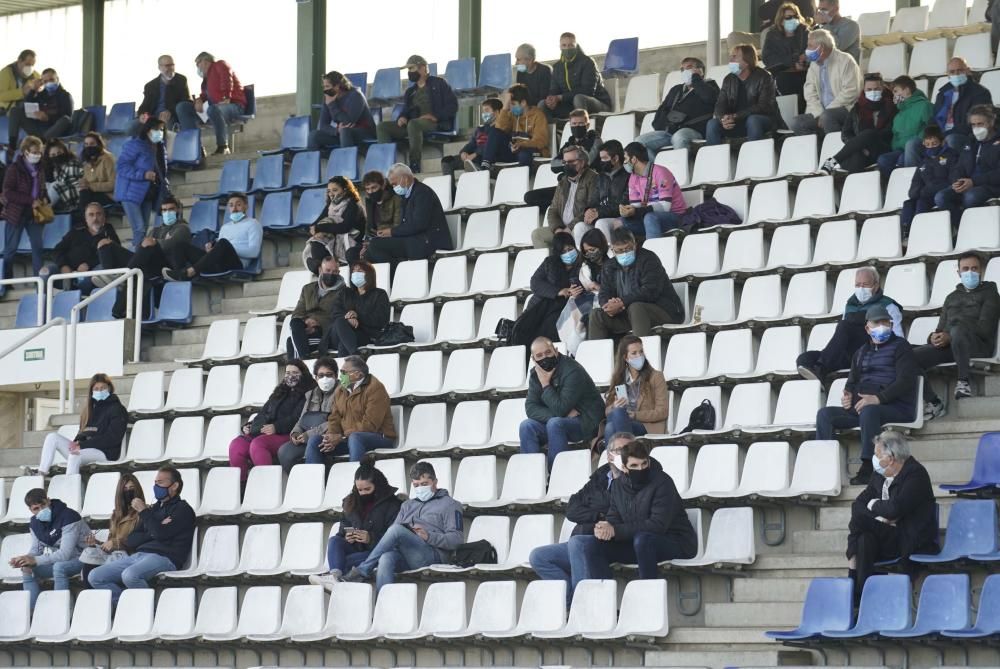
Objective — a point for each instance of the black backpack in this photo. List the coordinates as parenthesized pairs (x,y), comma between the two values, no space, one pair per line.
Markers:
(394,333)
(702,417)
(476,552)
(504,330)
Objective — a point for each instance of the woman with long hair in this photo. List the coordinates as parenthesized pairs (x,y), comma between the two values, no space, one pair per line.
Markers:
(342,228)
(555,281)
(360,311)
(62,176)
(637,399)
(123,520)
(98,180)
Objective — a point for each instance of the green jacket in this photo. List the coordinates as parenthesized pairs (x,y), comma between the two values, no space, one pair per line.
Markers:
(311,305)
(571,388)
(914,113)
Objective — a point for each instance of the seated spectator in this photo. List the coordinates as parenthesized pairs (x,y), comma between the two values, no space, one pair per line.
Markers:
(23,189)
(344,118)
(166,246)
(580,136)
(423,228)
(563,404)
(642,408)
(846,31)
(575,193)
(343,226)
(784,50)
(976,175)
(867,131)
(427,529)
(833,84)
(141,180)
(55,109)
(685,110)
(646,522)
(536,76)
(612,193)
(312,422)
(594,247)
(270,428)
(383,208)
(470,158)
(555,281)
(933,175)
(636,293)
(586,507)
(359,312)
(429,105)
(17,80)
(57,537)
(310,321)
(851,333)
(520,132)
(360,417)
(78,250)
(161,540)
(123,521)
(881,388)
(102,428)
(967,328)
(98,180)
(237,247)
(160,96)
(656,202)
(747,106)
(895,516)
(576,82)
(914,111)
(767,13)
(221,98)
(954,103)
(369,511)
(62,173)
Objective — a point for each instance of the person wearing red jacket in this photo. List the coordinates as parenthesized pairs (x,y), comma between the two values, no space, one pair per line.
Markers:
(222,98)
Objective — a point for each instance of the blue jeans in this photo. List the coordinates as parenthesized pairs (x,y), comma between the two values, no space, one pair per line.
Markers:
(590,557)
(660,139)
(138,214)
(618,421)
(556,432)
(220,116)
(754,126)
(59,572)
(497,149)
(355,445)
(400,549)
(551,563)
(653,223)
(133,571)
(341,555)
(870,420)
(12,237)
(956,203)
(331,137)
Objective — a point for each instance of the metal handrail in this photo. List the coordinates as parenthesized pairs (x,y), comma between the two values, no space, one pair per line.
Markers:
(39,292)
(62,358)
(50,288)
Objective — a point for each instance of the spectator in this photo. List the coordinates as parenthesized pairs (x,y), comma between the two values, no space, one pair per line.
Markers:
(846,32)
(383,208)
(160,542)
(427,529)
(310,321)
(17,80)
(102,428)
(360,418)
(141,179)
(55,110)
(833,84)
(932,176)
(422,229)
(237,247)
(62,173)
(555,281)
(342,228)
(166,246)
(636,293)
(580,136)
(881,388)
(519,134)
(369,511)
(57,538)
(646,522)
(586,507)
(746,106)
(966,328)
(160,96)
(222,99)
(993,17)
(359,313)
(914,111)
(429,105)
(574,194)
(612,193)
(851,333)
(79,249)
(642,408)
(23,190)
(312,422)
(536,76)
(867,131)
(895,516)
(656,202)
(563,404)
(954,104)
(685,110)
(123,522)
(976,175)
(767,12)
(576,82)
(470,158)
(98,180)
(270,428)
(344,118)
(784,50)
(594,246)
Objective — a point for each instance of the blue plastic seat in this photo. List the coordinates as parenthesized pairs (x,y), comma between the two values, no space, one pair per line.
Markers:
(204,216)
(827,607)
(461,75)
(119,118)
(988,618)
(343,162)
(622,58)
(359,80)
(64,302)
(27,312)
(100,309)
(294,135)
(305,170)
(52,233)
(245,274)
(386,87)
(944,605)
(115,145)
(972,530)
(3,288)
(311,207)
(986,469)
(268,174)
(494,73)
(99,113)
(4,129)
(276,212)
(380,158)
(885,605)
(250,109)
(186,153)
(175,305)
(235,178)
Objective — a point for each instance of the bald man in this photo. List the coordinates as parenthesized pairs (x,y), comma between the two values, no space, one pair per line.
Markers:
(161,95)
(953,103)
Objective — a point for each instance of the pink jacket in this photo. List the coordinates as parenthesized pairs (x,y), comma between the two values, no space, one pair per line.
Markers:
(665,187)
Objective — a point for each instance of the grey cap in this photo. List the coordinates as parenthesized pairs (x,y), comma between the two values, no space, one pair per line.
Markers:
(415,60)
(877,313)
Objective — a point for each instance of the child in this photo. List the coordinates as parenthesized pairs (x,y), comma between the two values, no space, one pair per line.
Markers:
(471,154)
(932,175)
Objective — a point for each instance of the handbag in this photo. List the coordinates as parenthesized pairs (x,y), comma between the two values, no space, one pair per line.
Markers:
(395,333)
(473,553)
(94,555)
(42,212)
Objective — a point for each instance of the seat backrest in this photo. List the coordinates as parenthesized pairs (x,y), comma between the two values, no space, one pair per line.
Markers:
(473,190)
(217,611)
(15,614)
(945,601)
(694,396)
(570,471)
(508,416)
(264,489)
(51,616)
(643,608)
(622,56)
(761,297)
(731,536)
(524,478)
(396,609)
(494,609)
(930,232)
(27,312)
(494,529)
(972,528)
(675,462)
(699,254)
(756,159)
(814,197)
(749,405)
(885,603)
(269,172)
(260,612)
(91,613)
(444,608)
(687,355)
(411,280)
(594,607)
(907,284)
(380,157)
(643,92)
(798,155)
(494,72)
(880,238)
(827,606)
(295,132)
(798,402)
(716,470)
(744,250)
(779,348)
(343,162)
(889,59)
(64,302)
(768,466)
(470,425)
(980,228)
(511,185)
(836,241)
(134,613)
(717,300)
(530,531)
(543,607)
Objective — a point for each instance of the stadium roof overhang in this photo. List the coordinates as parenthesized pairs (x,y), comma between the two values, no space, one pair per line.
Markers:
(8,7)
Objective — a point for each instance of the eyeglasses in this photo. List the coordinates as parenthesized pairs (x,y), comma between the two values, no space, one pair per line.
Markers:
(325,375)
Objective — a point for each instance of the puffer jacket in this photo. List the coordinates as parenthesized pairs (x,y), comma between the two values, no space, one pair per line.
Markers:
(980,161)
(647,280)
(139,156)
(281,411)
(578,76)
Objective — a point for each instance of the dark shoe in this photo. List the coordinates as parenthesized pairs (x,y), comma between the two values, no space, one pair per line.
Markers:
(222,150)
(174,274)
(864,474)
(415,166)
(934,409)
(963,389)
(354,576)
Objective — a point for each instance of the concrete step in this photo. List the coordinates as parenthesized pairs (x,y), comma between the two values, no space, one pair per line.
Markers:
(834,517)
(750,590)
(800,565)
(234,305)
(134,368)
(819,541)
(172,353)
(780,614)
(973,407)
(261,288)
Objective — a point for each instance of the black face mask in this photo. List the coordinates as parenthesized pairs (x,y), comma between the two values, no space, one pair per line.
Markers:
(376,196)
(593,255)
(578,131)
(548,363)
(639,477)
(413,76)
(91,152)
(329,92)
(328,279)
(366,497)
(606,166)
(570,170)
(129,496)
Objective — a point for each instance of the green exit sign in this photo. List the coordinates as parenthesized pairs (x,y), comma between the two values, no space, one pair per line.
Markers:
(34,354)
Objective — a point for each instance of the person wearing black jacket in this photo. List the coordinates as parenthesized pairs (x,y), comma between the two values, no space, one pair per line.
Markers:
(54,116)
(161,540)
(270,429)
(161,95)
(976,176)
(360,311)
(612,192)
(576,83)
(784,50)
(881,388)
(80,249)
(102,429)
(684,112)
(867,131)
(895,516)
(423,228)
(369,511)
(555,281)
(746,106)
(933,174)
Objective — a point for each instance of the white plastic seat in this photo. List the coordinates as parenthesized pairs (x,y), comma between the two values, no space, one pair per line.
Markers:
(450,276)
(898,189)
(145,442)
(991,81)
(756,160)
(798,402)
(907,284)
(798,155)
(749,405)
(779,349)
(735,197)
(427,428)
(338,485)
(525,264)
(545,177)
(620,127)
(665,249)
(260,553)
(264,489)
(506,368)
(443,611)
(717,299)
(304,613)
(744,250)
(385,367)
(945,278)
(730,539)
(712,164)
(489,275)
(15,615)
(880,238)
(643,92)
(442,469)
(220,553)
(395,612)
(520,223)
(68,488)
(12,546)
(889,59)
(699,254)
(147,392)
(788,105)
(470,426)
(221,430)
(185,439)
(769,202)
(929,57)
(833,142)
(395,472)
(441,185)
(820,335)
(862,191)
(767,466)
(530,532)
(543,610)
(91,618)
(677,161)
(642,613)
(304,492)
(349,612)
(184,391)
(597,358)
(716,469)
(258,384)
(570,471)
(686,356)
(466,371)
(930,232)
(874,23)
(481,231)
(593,611)
(222,492)
(217,615)
(476,480)
(493,310)
(260,614)
(817,471)
(52,615)
(761,298)
(17,510)
(947,14)
(524,480)
(814,197)
(979,229)
(424,372)
(292,283)
(675,462)
(694,396)
(511,184)
(806,295)
(494,609)
(259,337)
(410,282)
(133,616)
(836,241)
(506,421)
(473,190)
(222,341)
(791,246)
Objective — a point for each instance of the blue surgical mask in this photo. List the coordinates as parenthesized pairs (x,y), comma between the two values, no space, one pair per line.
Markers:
(400,190)
(569,257)
(45,515)
(156,136)
(169,217)
(958,79)
(100,395)
(52,87)
(734,68)
(521,67)
(237,216)
(487,117)
(638,362)
(625,259)
(159,492)
(877,466)
(790,25)
(874,96)
(358,279)
(423,492)
(880,334)
(629,167)
(812,55)
(516,110)
(863,293)
(969,279)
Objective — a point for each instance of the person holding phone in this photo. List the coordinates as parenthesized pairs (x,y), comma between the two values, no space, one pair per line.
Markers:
(637,399)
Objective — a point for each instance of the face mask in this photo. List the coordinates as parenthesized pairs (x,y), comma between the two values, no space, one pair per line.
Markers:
(578,131)
(345,379)
(413,76)
(45,515)
(328,279)
(326,384)
(33,158)
(812,55)
(169,217)
(100,395)
(399,190)
(980,133)
(129,496)
(625,259)
(880,334)
(160,493)
(358,279)
(423,492)
(374,197)
(329,92)
(156,136)
(487,117)
(569,257)
(874,96)
(637,362)
(292,380)
(27,70)
(933,151)
(790,25)
(547,363)
(201,73)
(593,255)
(90,152)
(569,54)
(51,87)
(734,68)
(605,166)
(570,170)
(521,67)
(237,216)
(877,466)
(639,477)
(616,460)
(958,80)
(969,279)
(629,167)
(897,99)
(516,110)
(863,293)
(687,76)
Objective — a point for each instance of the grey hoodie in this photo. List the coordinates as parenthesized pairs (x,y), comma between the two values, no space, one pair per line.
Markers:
(440,516)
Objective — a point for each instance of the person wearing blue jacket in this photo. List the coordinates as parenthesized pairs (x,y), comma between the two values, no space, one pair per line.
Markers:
(237,247)
(976,176)
(344,117)
(141,176)
(933,174)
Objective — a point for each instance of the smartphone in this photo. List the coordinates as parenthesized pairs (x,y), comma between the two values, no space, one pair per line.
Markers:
(621,392)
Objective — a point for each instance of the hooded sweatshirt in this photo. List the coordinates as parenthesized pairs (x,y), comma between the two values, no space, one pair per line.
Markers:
(440,516)
(59,539)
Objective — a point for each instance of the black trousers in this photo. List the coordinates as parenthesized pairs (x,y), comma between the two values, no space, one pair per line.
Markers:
(45,129)
(869,541)
(847,338)
(343,339)
(862,150)
(540,197)
(222,258)
(387,249)
(964,345)
(151,260)
(302,343)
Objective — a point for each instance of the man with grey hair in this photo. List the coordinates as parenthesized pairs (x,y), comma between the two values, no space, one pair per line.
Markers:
(895,515)
(161,96)
(846,32)
(536,76)
(850,333)
(360,416)
(575,193)
(222,99)
(833,84)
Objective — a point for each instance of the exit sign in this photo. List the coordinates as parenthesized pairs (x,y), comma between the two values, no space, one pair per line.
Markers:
(34,354)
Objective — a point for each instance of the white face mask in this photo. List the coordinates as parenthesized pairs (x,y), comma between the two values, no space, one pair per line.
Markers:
(686,76)
(981,133)
(863,293)
(423,492)
(33,158)
(616,460)
(326,384)
(27,70)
